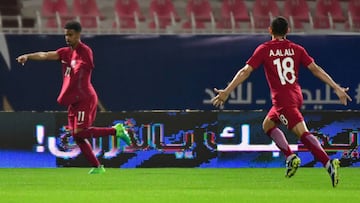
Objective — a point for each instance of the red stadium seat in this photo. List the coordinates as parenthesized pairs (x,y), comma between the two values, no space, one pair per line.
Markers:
(297,11)
(323,22)
(87,11)
(227,24)
(326,13)
(200,8)
(198,25)
(126,11)
(232,11)
(353,22)
(50,8)
(325,7)
(263,11)
(198,12)
(163,13)
(237,7)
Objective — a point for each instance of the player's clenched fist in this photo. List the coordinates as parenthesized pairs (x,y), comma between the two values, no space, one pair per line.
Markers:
(22,59)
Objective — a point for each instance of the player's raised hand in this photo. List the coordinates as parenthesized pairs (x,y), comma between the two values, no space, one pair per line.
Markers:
(343,96)
(220,98)
(22,59)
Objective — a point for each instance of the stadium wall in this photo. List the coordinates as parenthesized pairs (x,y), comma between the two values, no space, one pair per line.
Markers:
(160,72)
(203,139)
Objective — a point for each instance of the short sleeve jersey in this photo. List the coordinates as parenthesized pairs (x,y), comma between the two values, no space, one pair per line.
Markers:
(77,66)
(281,60)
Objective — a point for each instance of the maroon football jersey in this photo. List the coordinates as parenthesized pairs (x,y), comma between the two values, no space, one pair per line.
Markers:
(282,60)
(77,66)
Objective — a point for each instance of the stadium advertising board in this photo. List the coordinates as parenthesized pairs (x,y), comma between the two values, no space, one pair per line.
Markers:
(175,139)
(242,143)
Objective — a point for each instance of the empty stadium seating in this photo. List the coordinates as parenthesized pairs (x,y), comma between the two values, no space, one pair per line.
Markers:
(353,22)
(163,14)
(233,12)
(88,12)
(297,11)
(50,7)
(128,14)
(263,12)
(54,11)
(10,7)
(327,12)
(10,11)
(198,12)
(181,15)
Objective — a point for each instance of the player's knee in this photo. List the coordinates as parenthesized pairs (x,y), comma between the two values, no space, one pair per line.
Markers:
(300,129)
(77,133)
(79,140)
(267,125)
(78,130)
(264,125)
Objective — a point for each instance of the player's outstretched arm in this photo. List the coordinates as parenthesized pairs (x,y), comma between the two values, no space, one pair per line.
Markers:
(322,75)
(239,78)
(39,56)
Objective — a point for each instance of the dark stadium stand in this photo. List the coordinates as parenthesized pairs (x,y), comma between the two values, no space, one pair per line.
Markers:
(10,11)
(10,7)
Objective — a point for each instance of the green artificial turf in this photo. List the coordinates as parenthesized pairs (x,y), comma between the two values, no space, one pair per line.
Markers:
(177,185)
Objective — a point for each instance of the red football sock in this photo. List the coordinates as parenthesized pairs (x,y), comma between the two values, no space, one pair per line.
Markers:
(310,141)
(86,149)
(94,132)
(280,140)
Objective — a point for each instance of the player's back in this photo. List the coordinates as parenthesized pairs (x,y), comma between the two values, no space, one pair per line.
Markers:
(282,60)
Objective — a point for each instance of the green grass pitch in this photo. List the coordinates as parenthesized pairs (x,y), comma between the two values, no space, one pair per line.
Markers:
(168,185)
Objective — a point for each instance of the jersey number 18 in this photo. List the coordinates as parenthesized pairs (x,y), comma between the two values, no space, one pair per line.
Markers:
(285,69)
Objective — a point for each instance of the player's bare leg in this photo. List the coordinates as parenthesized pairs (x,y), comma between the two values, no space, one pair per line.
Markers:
(81,135)
(86,149)
(292,161)
(95,132)
(271,129)
(312,143)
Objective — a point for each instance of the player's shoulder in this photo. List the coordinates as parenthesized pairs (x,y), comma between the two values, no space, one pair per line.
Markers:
(84,46)
(273,43)
(262,47)
(63,50)
(295,45)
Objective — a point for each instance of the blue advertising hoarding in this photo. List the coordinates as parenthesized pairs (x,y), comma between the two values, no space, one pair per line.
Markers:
(147,72)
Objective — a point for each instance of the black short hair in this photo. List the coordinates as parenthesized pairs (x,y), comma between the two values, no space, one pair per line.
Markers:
(73,25)
(279,26)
